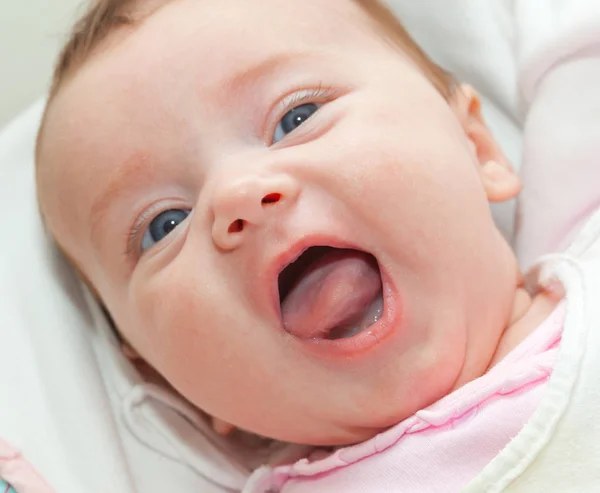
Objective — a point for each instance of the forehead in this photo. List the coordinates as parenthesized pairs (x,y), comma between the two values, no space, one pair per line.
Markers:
(162,77)
(205,41)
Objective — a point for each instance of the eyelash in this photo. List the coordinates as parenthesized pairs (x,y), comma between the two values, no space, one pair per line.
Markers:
(133,237)
(133,234)
(321,94)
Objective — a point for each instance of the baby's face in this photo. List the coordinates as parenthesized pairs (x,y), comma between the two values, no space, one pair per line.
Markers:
(178,178)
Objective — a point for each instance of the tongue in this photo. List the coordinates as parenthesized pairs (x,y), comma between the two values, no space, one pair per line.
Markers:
(334,291)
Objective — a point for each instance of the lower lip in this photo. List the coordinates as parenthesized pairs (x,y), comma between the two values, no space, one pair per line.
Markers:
(367,340)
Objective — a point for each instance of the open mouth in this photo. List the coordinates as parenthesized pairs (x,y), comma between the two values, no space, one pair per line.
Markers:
(330,293)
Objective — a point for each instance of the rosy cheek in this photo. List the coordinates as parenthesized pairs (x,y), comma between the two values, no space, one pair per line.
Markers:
(167,312)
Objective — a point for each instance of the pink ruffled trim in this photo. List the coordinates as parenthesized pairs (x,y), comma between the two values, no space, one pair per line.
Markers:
(436,416)
(19,473)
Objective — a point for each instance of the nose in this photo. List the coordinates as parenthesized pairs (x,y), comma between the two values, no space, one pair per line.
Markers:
(242,206)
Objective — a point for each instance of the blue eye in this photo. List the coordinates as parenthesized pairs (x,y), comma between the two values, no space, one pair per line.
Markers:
(293,119)
(162,225)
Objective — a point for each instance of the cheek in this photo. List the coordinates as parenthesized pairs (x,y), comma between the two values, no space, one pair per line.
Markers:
(203,340)
(408,176)
(179,331)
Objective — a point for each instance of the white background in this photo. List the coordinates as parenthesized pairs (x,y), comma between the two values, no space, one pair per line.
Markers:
(31,34)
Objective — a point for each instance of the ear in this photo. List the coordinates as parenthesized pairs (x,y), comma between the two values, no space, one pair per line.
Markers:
(222,427)
(497,175)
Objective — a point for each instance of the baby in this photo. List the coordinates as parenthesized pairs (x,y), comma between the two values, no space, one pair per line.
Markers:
(284,207)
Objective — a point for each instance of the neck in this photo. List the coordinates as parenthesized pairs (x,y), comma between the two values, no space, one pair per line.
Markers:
(529,311)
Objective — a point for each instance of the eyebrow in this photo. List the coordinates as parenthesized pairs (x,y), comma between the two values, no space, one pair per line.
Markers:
(271,66)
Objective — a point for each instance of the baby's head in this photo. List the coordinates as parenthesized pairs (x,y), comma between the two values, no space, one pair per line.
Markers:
(193,150)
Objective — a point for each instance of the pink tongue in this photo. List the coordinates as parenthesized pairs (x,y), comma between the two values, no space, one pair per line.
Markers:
(334,291)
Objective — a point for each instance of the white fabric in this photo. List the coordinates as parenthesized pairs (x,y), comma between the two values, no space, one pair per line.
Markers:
(71,404)
(558,58)
(558,449)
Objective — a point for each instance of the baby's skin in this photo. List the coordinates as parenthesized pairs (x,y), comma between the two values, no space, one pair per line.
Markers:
(284,217)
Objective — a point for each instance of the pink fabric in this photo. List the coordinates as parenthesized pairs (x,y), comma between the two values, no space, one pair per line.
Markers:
(442,448)
(18,473)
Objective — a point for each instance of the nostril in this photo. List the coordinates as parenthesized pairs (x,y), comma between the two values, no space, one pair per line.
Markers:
(237,226)
(272,198)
